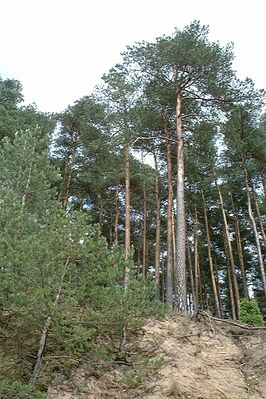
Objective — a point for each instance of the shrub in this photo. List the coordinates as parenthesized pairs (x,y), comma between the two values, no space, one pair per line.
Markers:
(250,312)
(17,390)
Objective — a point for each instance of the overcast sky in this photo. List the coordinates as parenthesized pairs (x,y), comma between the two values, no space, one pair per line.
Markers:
(59,49)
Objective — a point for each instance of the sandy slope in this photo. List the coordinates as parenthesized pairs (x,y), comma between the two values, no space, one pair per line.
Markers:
(178,358)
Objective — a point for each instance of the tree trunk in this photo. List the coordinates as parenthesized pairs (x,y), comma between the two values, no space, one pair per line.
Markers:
(138,261)
(196,263)
(163,280)
(263,179)
(253,223)
(169,273)
(116,215)
(158,230)
(69,170)
(147,253)
(127,218)
(214,287)
(60,193)
(110,235)
(240,249)
(42,343)
(174,251)
(181,299)
(67,191)
(192,285)
(259,215)
(218,287)
(144,254)
(45,331)
(100,198)
(230,250)
(205,298)
(229,275)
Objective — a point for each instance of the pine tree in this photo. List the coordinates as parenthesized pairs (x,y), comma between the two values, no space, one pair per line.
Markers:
(57,274)
(15,117)
(188,73)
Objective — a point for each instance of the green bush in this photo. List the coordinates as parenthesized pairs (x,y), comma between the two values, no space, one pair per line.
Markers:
(250,312)
(17,390)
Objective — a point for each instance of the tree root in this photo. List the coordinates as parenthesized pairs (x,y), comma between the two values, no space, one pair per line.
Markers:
(228,321)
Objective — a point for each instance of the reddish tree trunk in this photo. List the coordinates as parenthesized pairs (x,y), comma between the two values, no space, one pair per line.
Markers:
(253,223)
(144,254)
(214,287)
(191,278)
(127,217)
(169,276)
(116,215)
(196,263)
(259,215)
(158,230)
(181,297)
(230,250)
(230,285)
(240,249)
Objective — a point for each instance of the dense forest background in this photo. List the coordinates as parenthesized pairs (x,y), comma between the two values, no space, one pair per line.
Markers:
(146,195)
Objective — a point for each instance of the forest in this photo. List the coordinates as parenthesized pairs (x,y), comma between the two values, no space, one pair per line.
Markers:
(147,196)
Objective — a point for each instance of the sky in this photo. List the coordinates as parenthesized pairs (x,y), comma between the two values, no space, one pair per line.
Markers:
(59,49)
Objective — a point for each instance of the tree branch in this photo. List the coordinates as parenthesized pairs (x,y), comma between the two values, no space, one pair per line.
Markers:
(234,323)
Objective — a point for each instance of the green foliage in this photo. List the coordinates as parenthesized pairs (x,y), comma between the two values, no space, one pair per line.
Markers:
(250,312)
(14,117)
(18,390)
(46,251)
(26,170)
(144,369)
(10,92)
(101,309)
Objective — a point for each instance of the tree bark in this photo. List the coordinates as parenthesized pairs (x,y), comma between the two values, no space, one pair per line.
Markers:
(263,179)
(214,287)
(127,218)
(116,215)
(196,263)
(253,223)
(144,254)
(147,253)
(230,285)
(69,171)
(174,251)
(45,331)
(110,235)
(240,249)
(181,299)
(138,261)
(100,198)
(218,287)
(258,214)
(169,273)
(67,191)
(192,285)
(163,280)
(230,250)
(158,230)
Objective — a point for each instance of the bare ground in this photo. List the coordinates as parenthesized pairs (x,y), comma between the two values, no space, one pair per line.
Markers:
(177,358)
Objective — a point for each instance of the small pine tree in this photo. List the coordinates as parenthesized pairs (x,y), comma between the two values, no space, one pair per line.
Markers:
(250,312)
(47,255)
